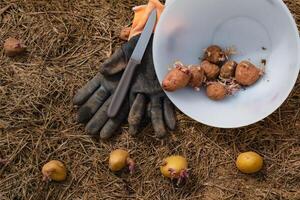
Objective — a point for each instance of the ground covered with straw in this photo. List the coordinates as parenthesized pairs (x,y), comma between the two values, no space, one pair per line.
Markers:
(67,41)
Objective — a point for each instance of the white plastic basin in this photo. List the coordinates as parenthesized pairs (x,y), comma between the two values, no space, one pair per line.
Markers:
(186,27)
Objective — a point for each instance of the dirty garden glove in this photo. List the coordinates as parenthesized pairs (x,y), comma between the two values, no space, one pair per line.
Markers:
(146,96)
(94,98)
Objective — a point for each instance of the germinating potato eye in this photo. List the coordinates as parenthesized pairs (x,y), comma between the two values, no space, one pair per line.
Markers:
(13,47)
(178,78)
(216,91)
(175,167)
(54,170)
(211,71)
(228,69)
(247,74)
(119,159)
(197,76)
(214,54)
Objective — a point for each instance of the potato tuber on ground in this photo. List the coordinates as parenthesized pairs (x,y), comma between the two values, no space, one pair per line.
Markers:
(228,69)
(13,47)
(198,76)
(178,78)
(54,170)
(249,162)
(211,71)
(118,159)
(175,167)
(214,54)
(247,74)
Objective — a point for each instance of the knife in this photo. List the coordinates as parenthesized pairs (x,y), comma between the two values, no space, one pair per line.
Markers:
(133,62)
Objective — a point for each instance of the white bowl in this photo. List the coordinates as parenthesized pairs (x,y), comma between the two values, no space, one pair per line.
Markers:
(186,27)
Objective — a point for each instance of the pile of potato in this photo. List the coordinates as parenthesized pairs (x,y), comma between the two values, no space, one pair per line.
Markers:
(220,75)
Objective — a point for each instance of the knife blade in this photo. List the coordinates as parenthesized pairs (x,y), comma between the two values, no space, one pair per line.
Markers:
(134,61)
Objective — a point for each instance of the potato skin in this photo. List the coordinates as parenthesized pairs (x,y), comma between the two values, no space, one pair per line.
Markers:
(246,73)
(13,47)
(117,159)
(54,170)
(176,163)
(216,91)
(228,69)
(214,54)
(124,34)
(197,76)
(178,78)
(211,71)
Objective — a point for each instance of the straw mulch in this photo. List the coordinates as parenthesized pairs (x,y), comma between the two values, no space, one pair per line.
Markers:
(67,41)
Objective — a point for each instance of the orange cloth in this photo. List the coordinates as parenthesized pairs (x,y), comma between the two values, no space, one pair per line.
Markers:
(141,15)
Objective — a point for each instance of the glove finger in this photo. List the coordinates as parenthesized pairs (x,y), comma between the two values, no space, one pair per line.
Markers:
(132,98)
(88,109)
(118,61)
(149,110)
(136,113)
(99,119)
(169,114)
(114,64)
(157,117)
(86,91)
(113,124)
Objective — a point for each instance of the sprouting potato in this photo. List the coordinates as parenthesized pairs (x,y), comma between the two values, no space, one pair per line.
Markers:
(118,159)
(222,77)
(215,55)
(211,71)
(198,76)
(13,47)
(54,170)
(175,167)
(178,78)
(228,69)
(247,74)
(216,91)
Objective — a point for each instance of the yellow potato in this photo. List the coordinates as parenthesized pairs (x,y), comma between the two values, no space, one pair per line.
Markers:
(54,170)
(249,162)
(118,159)
(174,167)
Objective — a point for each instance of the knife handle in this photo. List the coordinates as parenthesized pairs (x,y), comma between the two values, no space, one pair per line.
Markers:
(122,89)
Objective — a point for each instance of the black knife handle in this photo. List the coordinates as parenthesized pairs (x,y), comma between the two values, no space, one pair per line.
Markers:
(122,89)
